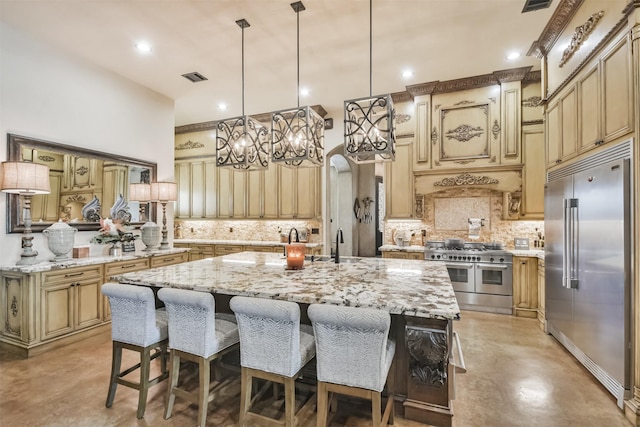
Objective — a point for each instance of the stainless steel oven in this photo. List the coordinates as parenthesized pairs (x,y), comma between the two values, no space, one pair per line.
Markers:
(482,279)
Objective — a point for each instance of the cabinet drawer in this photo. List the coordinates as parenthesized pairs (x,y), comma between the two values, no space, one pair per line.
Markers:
(228,249)
(121,267)
(159,261)
(263,248)
(71,274)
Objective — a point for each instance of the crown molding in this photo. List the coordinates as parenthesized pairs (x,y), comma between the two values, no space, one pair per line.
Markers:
(558,22)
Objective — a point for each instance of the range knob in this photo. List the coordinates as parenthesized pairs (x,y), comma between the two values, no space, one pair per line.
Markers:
(491,259)
(438,257)
(433,257)
(501,259)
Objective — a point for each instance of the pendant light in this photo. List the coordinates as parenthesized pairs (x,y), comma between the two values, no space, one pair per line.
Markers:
(242,142)
(297,134)
(369,134)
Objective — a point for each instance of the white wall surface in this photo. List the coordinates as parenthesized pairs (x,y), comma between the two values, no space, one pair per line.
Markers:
(48,95)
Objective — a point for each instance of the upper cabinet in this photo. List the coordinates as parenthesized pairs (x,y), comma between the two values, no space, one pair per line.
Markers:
(595,108)
(398,179)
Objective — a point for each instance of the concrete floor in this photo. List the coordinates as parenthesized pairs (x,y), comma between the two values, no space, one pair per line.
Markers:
(516,376)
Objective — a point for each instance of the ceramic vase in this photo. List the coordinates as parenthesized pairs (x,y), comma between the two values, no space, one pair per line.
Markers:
(150,234)
(60,237)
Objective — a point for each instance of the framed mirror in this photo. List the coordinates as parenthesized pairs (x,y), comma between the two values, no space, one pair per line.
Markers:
(86,185)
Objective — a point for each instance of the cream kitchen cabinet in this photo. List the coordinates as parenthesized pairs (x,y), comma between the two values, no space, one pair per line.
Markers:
(262,193)
(403,255)
(299,192)
(596,108)
(533,175)
(45,307)
(70,300)
(197,189)
(398,183)
(525,286)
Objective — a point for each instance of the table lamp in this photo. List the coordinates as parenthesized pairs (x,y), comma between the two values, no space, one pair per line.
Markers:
(140,193)
(25,179)
(164,192)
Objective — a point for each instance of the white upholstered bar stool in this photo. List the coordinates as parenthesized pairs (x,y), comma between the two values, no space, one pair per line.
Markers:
(135,325)
(274,346)
(196,334)
(354,357)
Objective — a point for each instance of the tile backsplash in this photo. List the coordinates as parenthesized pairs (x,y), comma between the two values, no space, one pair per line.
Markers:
(446,214)
(259,230)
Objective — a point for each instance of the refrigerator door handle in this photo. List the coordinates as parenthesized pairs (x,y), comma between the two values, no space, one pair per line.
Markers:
(566,226)
(573,230)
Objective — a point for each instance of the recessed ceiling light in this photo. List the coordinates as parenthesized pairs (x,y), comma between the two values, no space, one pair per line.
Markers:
(513,55)
(222,106)
(407,73)
(304,91)
(143,47)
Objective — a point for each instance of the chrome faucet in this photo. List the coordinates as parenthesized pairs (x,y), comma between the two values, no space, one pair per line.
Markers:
(339,239)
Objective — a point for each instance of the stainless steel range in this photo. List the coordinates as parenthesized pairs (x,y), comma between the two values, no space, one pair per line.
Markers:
(482,278)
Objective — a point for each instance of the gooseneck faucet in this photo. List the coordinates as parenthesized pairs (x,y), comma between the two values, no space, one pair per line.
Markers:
(297,238)
(339,239)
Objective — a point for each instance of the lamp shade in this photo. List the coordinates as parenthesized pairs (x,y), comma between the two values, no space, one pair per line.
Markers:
(164,192)
(140,192)
(24,177)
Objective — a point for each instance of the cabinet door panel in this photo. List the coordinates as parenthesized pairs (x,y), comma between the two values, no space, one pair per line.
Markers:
(239,193)
(399,183)
(554,135)
(287,191)
(210,189)
(197,190)
(255,193)
(224,192)
(306,191)
(617,91)
(589,109)
(271,191)
(57,311)
(569,125)
(183,178)
(88,303)
(533,175)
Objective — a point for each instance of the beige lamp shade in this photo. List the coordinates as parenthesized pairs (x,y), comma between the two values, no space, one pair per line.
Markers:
(140,192)
(24,177)
(164,191)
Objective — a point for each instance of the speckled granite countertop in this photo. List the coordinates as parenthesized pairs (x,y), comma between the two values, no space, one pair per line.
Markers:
(79,262)
(239,242)
(408,287)
(395,248)
(531,253)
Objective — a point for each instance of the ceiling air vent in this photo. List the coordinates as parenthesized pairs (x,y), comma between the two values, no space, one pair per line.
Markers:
(531,5)
(194,77)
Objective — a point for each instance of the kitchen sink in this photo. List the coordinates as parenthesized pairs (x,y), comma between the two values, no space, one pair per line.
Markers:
(327,258)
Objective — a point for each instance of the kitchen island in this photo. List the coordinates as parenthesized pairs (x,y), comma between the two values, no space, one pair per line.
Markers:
(417,294)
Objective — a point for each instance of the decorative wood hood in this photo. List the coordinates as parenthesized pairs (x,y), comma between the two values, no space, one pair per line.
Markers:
(506,178)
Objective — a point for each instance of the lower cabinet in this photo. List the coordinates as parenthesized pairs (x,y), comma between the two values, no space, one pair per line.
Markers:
(70,300)
(402,255)
(525,287)
(44,310)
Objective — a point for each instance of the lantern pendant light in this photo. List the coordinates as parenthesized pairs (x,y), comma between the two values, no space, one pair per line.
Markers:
(297,134)
(242,142)
(369,134)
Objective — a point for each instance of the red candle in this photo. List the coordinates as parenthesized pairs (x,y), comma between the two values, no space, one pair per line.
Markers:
(295,256)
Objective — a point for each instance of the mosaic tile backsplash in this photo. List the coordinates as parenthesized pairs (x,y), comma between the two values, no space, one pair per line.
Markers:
(442,219)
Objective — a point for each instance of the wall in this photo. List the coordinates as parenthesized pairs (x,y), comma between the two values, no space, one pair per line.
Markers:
(495,229)
(48,95)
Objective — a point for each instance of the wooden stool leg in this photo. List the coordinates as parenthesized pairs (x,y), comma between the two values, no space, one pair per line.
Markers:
(376,408)
(145,364)
(116,360)
(245,394)
(322,405)
(174,373)
(290,402)
(204,369)
(163,358)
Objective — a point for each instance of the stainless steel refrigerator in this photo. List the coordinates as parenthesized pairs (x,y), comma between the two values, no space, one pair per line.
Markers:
(588,264)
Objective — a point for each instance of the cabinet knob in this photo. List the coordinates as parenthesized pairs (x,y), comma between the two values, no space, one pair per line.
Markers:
(558,161)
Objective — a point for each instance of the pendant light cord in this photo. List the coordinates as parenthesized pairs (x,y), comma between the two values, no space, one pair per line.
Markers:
(298,52)
(243,71)
(370,48)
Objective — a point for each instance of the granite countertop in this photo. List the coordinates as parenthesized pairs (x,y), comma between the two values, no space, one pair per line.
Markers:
(406,287)
(531,253)
(79,262)
(239,242)
(396,248)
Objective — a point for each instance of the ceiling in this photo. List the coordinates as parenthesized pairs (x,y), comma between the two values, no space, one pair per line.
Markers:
(437,39)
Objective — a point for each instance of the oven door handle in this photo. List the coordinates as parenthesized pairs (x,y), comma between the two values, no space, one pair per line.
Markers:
(458,265)
(493,266)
